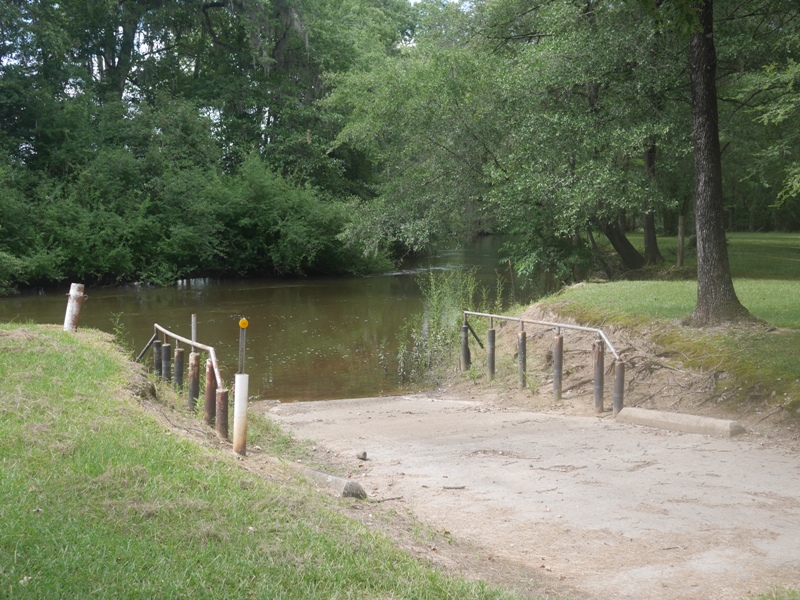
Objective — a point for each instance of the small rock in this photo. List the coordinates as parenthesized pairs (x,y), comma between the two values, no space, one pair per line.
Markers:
(361,456)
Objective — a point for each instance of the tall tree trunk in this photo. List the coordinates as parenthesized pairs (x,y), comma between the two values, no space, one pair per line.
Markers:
(599,255)
(681,239)
(652,255)
(716,298)
(631,258)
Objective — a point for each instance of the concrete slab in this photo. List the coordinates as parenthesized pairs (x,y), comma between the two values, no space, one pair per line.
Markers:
(609,510)
(680,422)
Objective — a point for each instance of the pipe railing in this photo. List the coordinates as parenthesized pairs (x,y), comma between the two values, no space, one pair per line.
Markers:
(601,343)
(210,349)
(556,326)
(215,411)
(211,352)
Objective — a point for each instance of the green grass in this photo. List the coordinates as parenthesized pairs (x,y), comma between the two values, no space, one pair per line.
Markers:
(778,594)
(765,255)
(752,255)
(100,500)
(774,301)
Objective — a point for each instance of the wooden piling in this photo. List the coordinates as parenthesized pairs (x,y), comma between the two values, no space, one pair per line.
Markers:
(157,357)
(194,379)
(178,377)
(466,359)
(166,362)
(558,367)
(619,385)
(222,413)
(210,408)
(490,351)
(76,298)
(599,349)
(522,356)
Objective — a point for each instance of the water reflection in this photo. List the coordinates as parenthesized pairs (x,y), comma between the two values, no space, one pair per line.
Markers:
(307,339)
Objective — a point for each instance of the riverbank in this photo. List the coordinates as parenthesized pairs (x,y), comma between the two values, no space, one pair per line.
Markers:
(116,482)
(108,493)
(524,489)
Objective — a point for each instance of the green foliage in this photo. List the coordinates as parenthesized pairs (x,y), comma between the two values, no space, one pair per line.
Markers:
(387,127)
(779,109)
(778,594)
(429,339)
(122,336)
(12,271)
(553,119)
(120,125)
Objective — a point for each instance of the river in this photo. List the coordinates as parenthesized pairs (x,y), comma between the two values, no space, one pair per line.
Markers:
(308,339)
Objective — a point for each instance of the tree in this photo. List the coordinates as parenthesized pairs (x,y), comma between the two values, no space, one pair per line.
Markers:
(119,120)
(771,91)
(716,298)
(499,109)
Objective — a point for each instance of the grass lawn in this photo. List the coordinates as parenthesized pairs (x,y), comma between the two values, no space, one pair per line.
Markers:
(752,255)
(100,500)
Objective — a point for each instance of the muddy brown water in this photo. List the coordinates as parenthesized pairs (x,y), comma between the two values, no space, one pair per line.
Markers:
(308,339)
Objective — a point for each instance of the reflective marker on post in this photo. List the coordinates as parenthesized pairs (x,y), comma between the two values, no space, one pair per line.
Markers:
(242,333)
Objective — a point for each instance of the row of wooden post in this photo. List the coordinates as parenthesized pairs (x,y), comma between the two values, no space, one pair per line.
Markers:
(598,360)
(215,410)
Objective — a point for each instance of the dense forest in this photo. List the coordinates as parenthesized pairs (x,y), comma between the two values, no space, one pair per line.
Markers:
(156,139)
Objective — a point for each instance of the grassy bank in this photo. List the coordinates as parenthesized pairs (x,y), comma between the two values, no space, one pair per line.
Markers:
(764,361)
(100,499)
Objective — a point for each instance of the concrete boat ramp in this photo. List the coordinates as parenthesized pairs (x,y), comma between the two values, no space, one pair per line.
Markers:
(603,509)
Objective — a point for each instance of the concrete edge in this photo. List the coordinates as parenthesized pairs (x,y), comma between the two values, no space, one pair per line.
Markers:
(347,488)
(680,422)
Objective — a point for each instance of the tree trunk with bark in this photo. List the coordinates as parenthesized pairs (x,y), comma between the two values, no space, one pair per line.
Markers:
(631,258)
(716,299)
(652,255)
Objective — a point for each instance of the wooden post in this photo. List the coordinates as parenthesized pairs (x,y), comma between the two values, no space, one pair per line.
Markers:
(74,303)
(466,360)
(558,366)
(599,348)
(166,362)
(222,413)
(521,355)
(619,385)
(490,349)
(157,357)
(681,238)
(194,379)
(178,368)
(210,408)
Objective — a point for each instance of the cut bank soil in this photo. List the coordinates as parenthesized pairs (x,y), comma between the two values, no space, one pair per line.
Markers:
(550,499)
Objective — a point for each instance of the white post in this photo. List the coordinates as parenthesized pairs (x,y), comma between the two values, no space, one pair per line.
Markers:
(76,298)
(242,382)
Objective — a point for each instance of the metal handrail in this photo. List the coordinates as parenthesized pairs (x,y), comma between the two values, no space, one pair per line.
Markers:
(211,353)
(557,326)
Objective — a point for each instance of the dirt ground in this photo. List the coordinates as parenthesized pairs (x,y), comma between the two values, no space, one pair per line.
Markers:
(550,499)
